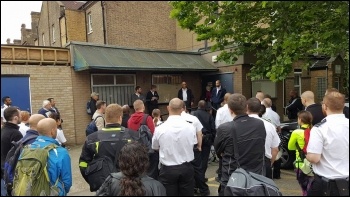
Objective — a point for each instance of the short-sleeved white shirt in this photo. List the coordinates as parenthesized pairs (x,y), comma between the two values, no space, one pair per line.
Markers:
(193,120)
(175,139)
(23,128)
(272,140)
(272,116)
(331,140)
(60,138)
(223,115)
(3,107)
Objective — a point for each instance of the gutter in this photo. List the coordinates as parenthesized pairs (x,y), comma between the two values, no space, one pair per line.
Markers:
(103,23)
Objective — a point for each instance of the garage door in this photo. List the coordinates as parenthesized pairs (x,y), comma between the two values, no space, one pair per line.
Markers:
(17,88)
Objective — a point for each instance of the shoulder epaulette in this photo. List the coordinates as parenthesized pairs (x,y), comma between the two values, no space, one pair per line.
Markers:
(320,123)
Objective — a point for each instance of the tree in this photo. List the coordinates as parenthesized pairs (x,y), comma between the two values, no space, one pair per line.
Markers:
(278,32)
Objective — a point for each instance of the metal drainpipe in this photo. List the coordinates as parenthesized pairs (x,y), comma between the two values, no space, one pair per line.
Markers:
(48,21)
(104,23)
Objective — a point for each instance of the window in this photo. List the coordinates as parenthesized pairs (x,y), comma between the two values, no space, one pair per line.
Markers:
(266,86)
(321,87)
(336,83)
(43,39)
(53,34)
(337,69)
(297,82)
(168,85)
(89,23)
(114,88)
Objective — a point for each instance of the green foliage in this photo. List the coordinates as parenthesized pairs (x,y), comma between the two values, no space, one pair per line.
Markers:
(246,26)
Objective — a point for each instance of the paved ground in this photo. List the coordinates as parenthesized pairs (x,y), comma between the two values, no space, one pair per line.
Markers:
(287,184)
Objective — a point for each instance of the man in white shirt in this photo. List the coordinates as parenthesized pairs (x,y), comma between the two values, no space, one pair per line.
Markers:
(7,103)
(328,149)
(199,176)
(99,114)
(272,140)
(175,139)
(270,115)
(186,95)
(223,114)
(24,125)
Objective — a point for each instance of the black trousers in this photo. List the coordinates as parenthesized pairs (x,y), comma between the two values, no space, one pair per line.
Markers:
(277,168)
(216,106)
(178,180)
(320,187)
(153,165)
(268,169)
(199,176)
(205,157)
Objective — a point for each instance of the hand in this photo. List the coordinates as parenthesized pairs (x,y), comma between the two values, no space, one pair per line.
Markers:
(199,148)
(191,103)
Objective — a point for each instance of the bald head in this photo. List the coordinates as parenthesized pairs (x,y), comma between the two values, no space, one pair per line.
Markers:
(260,96)
(227,95)
(308,98)
(175,106)
(34,119)
(47,127)
(139,106)
(267,102)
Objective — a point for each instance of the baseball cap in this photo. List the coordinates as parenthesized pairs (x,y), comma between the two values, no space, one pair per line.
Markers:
(94,94)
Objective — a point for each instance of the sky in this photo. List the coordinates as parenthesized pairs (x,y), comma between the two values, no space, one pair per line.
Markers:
(13,15)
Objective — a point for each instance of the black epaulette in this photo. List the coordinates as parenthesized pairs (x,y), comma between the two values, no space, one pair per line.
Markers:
(189,121)
(320,123)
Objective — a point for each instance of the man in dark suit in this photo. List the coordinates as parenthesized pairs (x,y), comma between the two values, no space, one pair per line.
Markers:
(152,98)
(186,95)
(217,96)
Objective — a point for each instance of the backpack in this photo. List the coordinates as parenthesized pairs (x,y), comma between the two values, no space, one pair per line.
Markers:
(244,183)
(306,138)
(101,166)
(31,175)
(91,128)
(88,109)
(145,134)
(12,158)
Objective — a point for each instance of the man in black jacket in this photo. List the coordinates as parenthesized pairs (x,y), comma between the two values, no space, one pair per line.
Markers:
(308,100)
(152,98)
(208,131)
(93,100)
(186,95)
(217,96)
(10,132)
(107,144)
(294,106)
(251,136)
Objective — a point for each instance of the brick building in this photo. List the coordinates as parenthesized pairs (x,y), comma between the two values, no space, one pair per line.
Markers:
(146,25)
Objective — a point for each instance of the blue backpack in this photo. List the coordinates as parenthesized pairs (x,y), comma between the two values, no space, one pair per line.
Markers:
(91,128)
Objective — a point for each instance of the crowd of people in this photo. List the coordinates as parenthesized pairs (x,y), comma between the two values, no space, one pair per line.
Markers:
(141,154)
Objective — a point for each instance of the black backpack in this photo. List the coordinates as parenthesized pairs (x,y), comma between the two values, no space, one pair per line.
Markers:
(102,166)
(12,159)
(91,127)
(145,134)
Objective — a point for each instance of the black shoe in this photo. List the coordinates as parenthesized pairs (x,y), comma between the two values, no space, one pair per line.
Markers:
(206,179)
(206,193)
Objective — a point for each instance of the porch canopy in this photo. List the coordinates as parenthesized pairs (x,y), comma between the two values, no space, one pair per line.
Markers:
(93,56)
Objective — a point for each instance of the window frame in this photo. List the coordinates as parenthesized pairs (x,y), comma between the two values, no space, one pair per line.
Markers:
(114,80)
(298,75)
(321,90)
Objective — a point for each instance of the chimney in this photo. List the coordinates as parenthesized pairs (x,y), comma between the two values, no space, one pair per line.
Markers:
(8,41)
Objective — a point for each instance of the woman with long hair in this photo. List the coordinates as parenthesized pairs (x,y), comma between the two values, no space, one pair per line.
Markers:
(132,179)
(156,117)
(297,142)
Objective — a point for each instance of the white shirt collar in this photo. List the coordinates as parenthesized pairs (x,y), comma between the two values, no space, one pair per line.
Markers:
(254,115)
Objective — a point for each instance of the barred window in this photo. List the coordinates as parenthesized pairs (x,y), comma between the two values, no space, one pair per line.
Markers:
(321,87)
(114,88)
(167,85)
